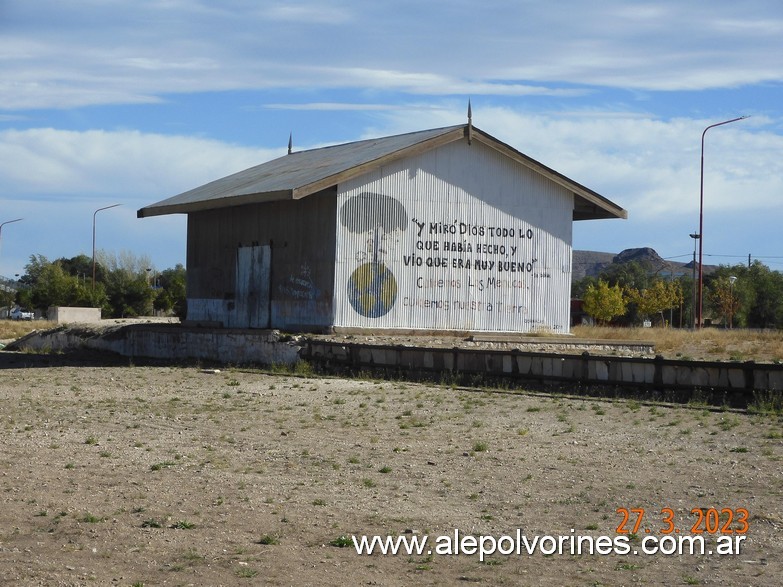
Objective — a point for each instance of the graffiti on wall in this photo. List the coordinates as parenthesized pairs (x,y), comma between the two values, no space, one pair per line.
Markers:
(299,286)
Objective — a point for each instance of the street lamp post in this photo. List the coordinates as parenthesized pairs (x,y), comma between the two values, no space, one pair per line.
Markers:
(701,217)
(93,239)
(695,236)
(3,224)
(8,222)
(732,279)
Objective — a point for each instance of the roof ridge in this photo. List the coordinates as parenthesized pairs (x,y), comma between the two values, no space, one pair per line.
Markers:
(381,138)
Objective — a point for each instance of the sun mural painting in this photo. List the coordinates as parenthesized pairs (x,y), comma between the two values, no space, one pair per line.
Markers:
(372,287)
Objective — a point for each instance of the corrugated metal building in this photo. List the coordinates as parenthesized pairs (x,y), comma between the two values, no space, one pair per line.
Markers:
(443,229)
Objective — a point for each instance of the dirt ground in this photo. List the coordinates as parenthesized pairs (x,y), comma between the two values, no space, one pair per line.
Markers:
(114,473)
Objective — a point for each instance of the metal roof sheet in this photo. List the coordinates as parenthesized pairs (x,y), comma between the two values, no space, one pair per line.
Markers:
(302,173)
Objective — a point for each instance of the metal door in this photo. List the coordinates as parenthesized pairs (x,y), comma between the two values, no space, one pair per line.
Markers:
(252,287)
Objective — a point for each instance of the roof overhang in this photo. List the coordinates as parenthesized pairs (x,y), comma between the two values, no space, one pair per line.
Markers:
(236,189)
(588,205)
(213,204)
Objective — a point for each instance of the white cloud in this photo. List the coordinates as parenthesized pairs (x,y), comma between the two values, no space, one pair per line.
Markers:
(55,179)
(127,164)
(55,54)
(317,13)
(648,166)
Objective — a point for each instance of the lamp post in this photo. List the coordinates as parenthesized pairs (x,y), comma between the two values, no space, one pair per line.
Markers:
(701,217)
(8,222)
(732,279)
(695,236)
(93,239)
(3,224)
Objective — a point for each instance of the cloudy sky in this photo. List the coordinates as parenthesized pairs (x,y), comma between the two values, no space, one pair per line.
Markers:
(129,102)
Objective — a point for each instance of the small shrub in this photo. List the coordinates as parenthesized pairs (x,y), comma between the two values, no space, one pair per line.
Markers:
(766,402)
(246,573)
(183,525)
(341,541)
(151,523)
(269,539)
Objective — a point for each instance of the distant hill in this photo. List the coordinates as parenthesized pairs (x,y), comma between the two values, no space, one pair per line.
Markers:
(592,263)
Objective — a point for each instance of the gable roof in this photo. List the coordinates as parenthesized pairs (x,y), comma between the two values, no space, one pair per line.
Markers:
(303,173)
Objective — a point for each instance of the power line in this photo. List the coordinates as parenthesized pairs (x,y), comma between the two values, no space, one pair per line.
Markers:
(746,255)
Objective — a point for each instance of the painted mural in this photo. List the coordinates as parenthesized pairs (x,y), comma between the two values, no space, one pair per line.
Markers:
(372,287)
(471,253)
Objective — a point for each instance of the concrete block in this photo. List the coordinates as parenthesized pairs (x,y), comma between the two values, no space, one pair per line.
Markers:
(69,314)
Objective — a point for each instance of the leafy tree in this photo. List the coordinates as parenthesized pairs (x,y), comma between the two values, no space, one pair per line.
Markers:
(127,283)
(122,287)
(129,295)
(7,295)
(766,309)
(33,270)
(724,300)
(579,287)
(627,275)
(661,295)
(171,295)
(80,266)
(604,302)
(50,285)
(758,291)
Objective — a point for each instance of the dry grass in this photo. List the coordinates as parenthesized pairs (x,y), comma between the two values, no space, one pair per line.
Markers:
(709,343)
(13,329)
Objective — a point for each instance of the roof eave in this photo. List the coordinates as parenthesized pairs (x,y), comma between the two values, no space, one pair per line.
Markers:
(588,205)
(226,202)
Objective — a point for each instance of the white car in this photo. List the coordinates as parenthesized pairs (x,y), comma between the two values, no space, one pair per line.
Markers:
(19,314)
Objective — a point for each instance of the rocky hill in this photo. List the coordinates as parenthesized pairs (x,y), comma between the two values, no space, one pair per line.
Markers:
(592,263)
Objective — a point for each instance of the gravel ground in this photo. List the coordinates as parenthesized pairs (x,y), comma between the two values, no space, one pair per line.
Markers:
(114,473)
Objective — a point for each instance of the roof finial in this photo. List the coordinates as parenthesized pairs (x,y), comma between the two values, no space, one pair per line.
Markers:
(290,142)
(470,123)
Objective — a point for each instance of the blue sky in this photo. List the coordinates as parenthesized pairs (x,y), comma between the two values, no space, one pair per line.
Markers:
(131,102)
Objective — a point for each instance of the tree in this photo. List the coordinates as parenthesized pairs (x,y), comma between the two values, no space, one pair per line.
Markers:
(80,267)
(661,295)
(122,287)
(127,284)
(50,285)
(171,295)
(766,309)
(129,295)
(724,300)
(626,275)
(603,302)
(758,294)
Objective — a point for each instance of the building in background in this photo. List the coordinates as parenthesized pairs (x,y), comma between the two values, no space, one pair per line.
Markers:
(446,229)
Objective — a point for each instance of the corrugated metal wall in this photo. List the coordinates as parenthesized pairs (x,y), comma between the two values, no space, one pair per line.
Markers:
(460,238)
(300,236)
